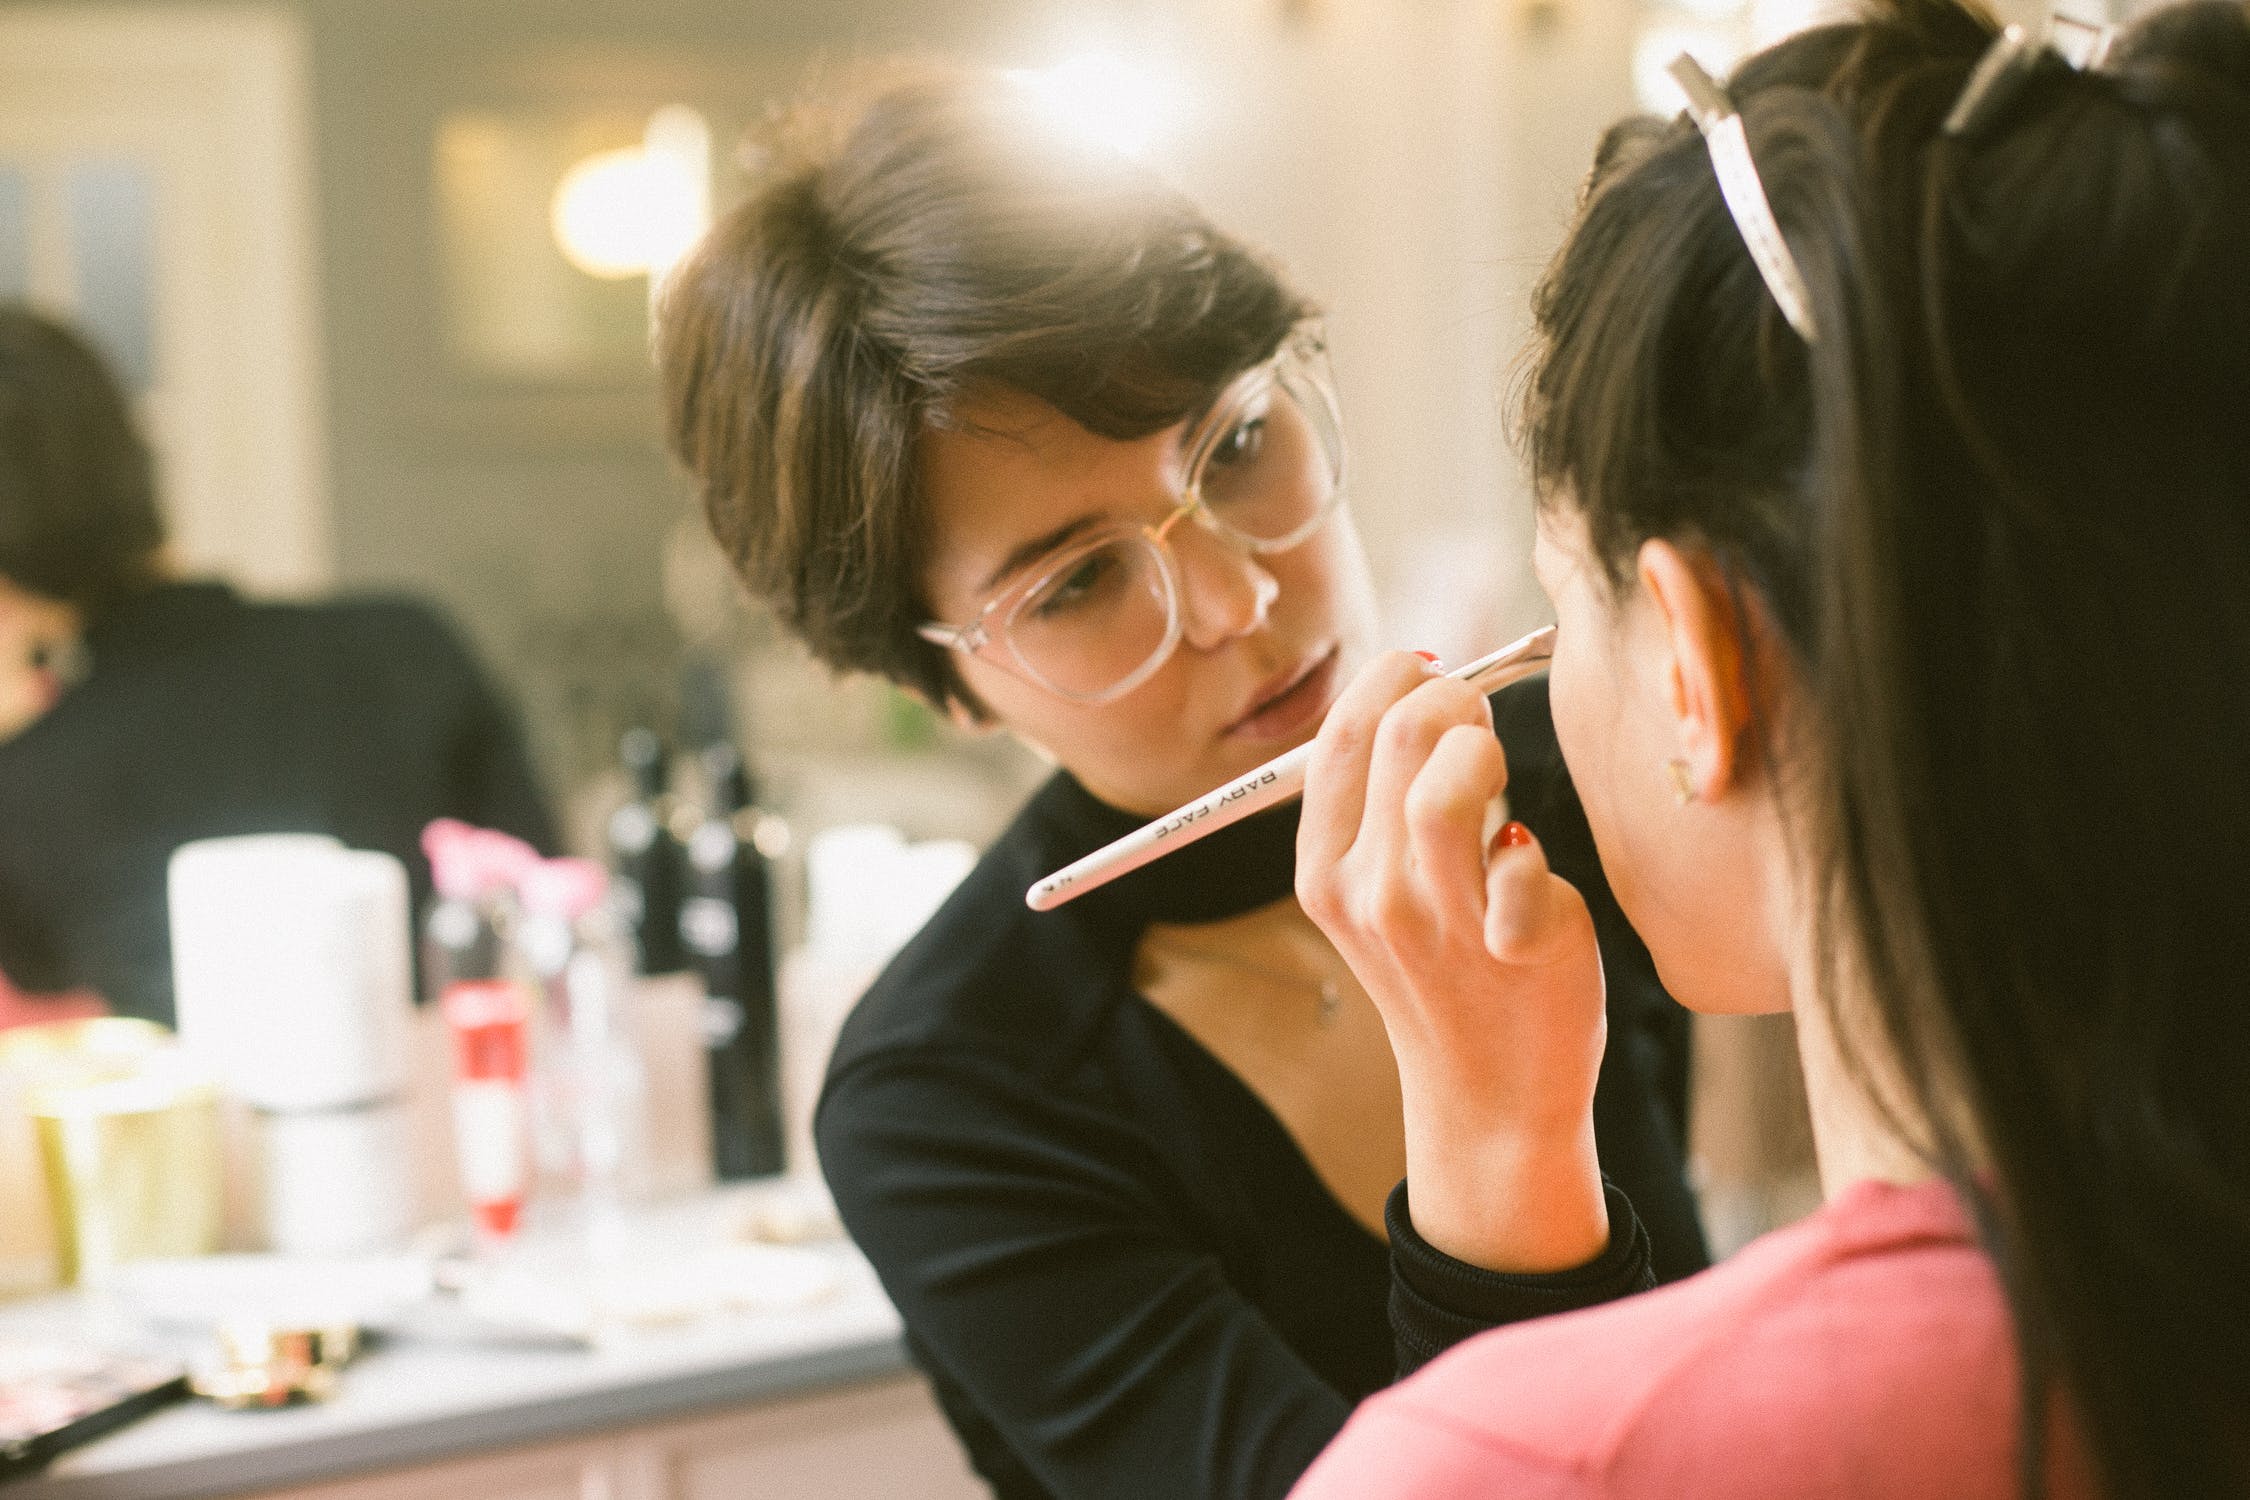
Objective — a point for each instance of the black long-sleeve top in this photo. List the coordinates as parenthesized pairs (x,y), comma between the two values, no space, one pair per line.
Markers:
(1120,1273)
(204,715)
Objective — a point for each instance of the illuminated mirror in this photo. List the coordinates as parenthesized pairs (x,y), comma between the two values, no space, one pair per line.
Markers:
(552,229)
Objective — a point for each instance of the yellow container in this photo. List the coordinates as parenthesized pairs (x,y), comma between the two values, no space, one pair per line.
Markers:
(128,1140)
(29,1056)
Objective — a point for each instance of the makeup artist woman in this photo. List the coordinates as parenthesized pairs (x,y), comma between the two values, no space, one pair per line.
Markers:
(1027,436)
(139,711)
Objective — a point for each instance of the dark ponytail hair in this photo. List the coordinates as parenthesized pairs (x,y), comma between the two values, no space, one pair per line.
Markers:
(1998,518)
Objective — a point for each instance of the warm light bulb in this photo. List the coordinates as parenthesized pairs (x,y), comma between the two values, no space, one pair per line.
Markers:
(621,213)
(679,136)
(1101,100)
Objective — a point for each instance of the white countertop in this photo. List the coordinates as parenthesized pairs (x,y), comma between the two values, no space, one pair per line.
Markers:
(413,1400)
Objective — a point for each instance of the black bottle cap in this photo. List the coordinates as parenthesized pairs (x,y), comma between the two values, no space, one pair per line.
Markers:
(647,760)
(728,778)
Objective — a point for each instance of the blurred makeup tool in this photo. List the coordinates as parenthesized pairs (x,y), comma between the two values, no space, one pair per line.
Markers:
(1274,782)
(266,1365)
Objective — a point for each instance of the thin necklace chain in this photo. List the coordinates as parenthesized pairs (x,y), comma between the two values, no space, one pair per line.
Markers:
(1328,986)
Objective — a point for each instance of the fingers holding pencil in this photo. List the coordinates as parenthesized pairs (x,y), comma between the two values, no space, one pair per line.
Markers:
(1341,762)
(1481,960)
(1280,778)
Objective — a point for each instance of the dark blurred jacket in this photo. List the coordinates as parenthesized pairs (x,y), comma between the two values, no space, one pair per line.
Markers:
(204,715)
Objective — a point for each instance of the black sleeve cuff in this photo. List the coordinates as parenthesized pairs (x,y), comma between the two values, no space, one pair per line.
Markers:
(1437,1301)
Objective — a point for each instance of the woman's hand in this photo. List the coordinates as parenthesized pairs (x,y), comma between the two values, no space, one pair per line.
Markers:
(1482,961)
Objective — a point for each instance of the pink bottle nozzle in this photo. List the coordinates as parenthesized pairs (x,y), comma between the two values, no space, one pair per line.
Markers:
(504,857)
(468,863)
(562,887)
(450,846)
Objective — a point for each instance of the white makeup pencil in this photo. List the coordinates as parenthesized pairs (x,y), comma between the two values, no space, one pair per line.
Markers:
(1274,782)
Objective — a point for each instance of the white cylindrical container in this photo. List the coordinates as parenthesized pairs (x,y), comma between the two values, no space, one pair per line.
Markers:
(293,984)
(337,1181)
(291,968)
(868,891)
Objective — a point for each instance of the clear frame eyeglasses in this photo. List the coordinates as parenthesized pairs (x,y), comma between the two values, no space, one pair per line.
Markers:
(1095,619)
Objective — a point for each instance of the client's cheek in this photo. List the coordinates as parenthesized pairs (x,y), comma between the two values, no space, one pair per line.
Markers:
(1565,703)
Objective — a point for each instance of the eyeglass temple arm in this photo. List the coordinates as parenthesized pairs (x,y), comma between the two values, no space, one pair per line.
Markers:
(963,638)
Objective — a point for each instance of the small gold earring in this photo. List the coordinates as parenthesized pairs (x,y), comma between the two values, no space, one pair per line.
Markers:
(1683,787)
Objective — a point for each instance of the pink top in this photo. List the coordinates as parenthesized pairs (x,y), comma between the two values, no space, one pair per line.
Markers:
(1864,1352)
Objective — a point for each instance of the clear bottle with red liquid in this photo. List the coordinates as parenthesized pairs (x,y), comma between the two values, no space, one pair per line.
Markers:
(488,1012)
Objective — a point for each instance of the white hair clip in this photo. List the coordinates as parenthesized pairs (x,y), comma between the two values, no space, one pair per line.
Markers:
(2008,63)
(1713,111)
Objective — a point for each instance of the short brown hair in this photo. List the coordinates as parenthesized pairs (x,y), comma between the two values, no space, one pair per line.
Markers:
(897,254)
(78,517)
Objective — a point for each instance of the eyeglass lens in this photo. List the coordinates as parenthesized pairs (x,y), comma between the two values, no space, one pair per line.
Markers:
(1092,621)
(1267,468)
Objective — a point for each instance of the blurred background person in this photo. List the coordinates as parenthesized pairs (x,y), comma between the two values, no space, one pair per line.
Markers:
(140,710)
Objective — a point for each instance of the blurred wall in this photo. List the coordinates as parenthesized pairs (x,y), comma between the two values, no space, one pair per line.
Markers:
(1410,162)
(539,515)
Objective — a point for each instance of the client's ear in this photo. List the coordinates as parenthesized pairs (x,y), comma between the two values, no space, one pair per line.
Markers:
(1711,657)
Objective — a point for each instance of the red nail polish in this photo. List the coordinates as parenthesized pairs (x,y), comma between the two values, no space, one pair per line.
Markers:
(1428,656)
(1515,836)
